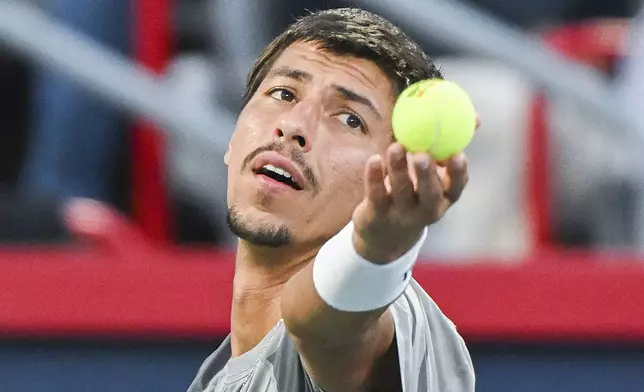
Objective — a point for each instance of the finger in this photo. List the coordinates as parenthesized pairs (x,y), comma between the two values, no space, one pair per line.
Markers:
(478,121)
(402,189)
(375,189)
(411,170)
(457,177)
(442,176)
(388,184)
(430,187)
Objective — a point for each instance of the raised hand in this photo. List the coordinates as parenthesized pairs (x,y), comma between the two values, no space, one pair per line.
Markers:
(404,193)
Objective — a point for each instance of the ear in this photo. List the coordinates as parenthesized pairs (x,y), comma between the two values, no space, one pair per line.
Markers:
(227,155)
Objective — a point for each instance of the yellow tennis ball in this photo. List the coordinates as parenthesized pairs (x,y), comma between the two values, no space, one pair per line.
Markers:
(434,116)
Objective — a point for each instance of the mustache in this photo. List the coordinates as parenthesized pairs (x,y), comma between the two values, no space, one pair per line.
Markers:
(294,155)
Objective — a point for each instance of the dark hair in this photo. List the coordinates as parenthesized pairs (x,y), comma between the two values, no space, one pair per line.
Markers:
(352,32)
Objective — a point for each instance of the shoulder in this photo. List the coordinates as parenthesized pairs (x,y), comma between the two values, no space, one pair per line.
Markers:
(431,352)
(272,365)
(211,367)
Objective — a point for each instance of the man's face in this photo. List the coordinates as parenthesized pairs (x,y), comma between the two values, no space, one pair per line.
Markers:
(317,116)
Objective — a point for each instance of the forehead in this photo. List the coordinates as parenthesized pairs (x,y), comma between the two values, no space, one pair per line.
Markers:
(341,69)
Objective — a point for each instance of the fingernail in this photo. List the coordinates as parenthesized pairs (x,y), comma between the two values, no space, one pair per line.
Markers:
(375,161)
(457,161)
(397,152)
(423,163)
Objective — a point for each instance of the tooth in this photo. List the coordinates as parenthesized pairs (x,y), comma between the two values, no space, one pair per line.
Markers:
(286,174)
(279,171)
(269,167)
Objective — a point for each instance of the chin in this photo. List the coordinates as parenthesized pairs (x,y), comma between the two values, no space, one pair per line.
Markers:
(258,227)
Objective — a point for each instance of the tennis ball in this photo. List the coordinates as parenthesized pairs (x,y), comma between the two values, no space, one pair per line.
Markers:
(434,116)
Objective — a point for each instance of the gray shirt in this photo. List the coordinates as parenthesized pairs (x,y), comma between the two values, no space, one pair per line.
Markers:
(433,356)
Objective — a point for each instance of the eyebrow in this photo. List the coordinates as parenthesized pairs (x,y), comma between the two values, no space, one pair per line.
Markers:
(303,76)
(355,97)
(292,73)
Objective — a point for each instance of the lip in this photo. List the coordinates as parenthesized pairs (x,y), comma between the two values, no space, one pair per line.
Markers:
(273,186)
(278,160)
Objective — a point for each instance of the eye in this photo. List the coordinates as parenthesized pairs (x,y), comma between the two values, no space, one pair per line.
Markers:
(282,94)
(352,121)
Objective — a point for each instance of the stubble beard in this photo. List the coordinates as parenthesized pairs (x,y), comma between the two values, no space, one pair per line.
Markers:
(273,236)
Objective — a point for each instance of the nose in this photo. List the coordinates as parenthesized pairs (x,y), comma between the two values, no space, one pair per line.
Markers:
(298,125)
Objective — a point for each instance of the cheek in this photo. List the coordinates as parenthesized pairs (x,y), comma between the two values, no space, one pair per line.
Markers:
(345,162)
(343,190)
(347,177)
(250,133)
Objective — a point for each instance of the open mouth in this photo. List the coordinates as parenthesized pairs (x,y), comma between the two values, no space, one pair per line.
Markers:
(278,174)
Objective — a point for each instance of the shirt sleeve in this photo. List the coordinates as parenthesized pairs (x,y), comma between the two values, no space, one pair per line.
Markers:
(433,356)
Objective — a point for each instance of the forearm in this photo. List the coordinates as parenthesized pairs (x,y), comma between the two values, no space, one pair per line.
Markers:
(336,311)
(307,315)
(340,350)
(341,296)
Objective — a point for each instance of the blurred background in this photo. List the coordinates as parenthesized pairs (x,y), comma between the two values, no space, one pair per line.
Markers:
(115,259)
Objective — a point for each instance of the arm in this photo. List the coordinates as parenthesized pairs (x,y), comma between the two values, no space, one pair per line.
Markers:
(340,350)
(348,350)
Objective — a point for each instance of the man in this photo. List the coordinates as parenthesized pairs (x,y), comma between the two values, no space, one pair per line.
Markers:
(331,214)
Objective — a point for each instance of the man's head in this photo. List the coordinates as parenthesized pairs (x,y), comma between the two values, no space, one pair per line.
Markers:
(318,104)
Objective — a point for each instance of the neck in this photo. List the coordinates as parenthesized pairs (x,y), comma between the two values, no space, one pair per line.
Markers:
(260,275)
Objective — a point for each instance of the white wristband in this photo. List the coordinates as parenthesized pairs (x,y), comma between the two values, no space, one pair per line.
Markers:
(348,282)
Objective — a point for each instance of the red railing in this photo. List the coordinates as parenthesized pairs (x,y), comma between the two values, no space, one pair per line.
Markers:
(114,283)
